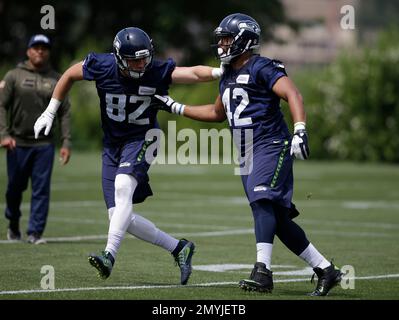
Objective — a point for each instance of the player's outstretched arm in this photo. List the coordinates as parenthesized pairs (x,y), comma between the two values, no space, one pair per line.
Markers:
(287,90)
(209,112)
(196,74)
(64,84)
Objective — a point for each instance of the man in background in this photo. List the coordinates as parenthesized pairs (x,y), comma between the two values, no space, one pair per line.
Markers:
(24,94)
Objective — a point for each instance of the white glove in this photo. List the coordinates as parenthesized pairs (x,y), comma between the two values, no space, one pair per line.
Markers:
(218,72)
(170,105)
(299,143)
(45,121)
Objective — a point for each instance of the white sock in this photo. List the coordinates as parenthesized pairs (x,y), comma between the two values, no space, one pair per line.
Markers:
(122,214)
(264,253)
(166,241)
(145,230)
(314,258)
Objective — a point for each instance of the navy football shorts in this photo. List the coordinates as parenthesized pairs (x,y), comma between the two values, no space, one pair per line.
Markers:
(128,158)
(271,176)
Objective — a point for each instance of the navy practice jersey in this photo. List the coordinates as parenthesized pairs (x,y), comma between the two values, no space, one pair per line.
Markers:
(126,111)
(249,101)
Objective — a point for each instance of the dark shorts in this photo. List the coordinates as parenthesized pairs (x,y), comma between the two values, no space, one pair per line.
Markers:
(128,158)
(271,176)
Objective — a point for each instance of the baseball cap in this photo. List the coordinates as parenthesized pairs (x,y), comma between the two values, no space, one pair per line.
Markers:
(39,39)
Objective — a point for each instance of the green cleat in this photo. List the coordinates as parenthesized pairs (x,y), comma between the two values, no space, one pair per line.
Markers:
(103,263)
(183,260)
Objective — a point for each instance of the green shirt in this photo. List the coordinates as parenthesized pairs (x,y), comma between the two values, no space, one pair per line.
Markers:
(24,95)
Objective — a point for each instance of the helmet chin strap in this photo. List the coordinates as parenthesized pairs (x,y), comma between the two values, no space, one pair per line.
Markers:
(135,75)
(138,74)
(224,57)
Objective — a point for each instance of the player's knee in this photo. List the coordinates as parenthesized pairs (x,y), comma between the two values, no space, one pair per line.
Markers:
(283,217)
(124,186)
(111,213)
(262,207)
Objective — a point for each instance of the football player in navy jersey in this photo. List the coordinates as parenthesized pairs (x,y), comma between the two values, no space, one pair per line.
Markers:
(126,80)
(250,91)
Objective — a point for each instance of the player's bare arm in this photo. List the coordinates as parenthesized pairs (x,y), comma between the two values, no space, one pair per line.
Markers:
(208,113)
(286,89)
(64,84)
(195,74)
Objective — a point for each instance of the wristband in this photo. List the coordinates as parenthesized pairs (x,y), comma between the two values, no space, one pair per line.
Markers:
(178,108)
(216,73)
(299,126)
(53,106)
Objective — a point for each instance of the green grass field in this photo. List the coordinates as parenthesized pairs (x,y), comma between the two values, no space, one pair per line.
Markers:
(349,211)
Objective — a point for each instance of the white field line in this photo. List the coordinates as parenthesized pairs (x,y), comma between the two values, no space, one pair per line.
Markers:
(66,239)
(217,234)
(205,200)
(207,284)
(193,225)
(104,236)
(373,225)
(95,205)
(102,221)
(247,217)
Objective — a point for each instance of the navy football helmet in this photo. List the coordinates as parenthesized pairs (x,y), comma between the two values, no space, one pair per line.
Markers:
(132,43)
(245,33)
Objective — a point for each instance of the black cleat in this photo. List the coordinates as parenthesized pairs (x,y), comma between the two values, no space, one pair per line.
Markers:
(183,260)
(103,263)
(328,278)
(260,280)
(13,235)
(13,232)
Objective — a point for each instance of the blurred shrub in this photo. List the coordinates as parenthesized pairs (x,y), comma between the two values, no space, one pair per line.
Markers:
(353,105)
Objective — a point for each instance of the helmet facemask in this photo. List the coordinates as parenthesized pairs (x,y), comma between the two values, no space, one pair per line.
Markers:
(122,60)
(225,50)
(137,73)
(245,37)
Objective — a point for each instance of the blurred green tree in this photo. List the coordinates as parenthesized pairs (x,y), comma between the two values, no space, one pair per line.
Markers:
(185,26)
(182,29)
(353,107)
(373,16)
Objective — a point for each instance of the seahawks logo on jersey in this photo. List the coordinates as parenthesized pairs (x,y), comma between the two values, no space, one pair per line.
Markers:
(278,64)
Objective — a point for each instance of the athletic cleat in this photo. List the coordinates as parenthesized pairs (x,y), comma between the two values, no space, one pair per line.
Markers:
(103,263)
(328,278)
(13,232)
(260,280)
(35,238)
(183,260)
(14,235)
